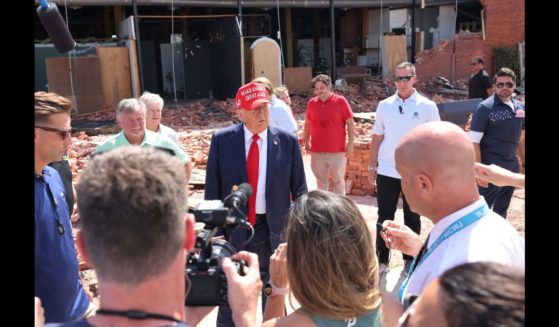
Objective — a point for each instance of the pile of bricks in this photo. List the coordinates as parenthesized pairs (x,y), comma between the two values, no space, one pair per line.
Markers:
(357,172)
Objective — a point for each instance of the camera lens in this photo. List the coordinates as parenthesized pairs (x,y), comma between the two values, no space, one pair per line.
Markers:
(222,249)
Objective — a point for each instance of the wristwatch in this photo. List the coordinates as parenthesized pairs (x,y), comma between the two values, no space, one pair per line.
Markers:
(372,168)
(272,290)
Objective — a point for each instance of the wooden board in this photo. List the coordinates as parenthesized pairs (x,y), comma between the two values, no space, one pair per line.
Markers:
(365,115)
(134,69)
(266,60)
(85,77)
(394,52)
(114,64)
(197,177)
(298,79)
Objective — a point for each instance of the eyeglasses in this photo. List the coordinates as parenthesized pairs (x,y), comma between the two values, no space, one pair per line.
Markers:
(404,319)
(507,84)
(402,78)
(473,63)
(62,132)
(401,110)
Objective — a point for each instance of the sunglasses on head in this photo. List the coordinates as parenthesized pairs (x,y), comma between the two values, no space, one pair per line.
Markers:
(64,133)
(507,84)
(402,78)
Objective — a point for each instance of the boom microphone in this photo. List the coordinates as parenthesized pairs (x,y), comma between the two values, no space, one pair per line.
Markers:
(55,27)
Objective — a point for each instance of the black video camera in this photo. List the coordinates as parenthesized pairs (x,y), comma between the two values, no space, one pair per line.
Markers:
(208,284)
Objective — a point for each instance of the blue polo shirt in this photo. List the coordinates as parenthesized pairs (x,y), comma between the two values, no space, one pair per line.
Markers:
(57,280)
(501,126)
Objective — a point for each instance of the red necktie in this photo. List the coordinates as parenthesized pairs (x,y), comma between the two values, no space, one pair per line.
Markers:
(252,173)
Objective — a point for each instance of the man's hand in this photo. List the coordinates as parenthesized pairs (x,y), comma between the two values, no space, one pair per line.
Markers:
(373,179)
(307,146)
(400,237)
(39,313)
(243,291)
(278,266)
(349,150)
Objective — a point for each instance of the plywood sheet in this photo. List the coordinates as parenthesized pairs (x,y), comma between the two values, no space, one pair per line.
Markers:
(114,67)
(85,77)
(394,52)
(298,79)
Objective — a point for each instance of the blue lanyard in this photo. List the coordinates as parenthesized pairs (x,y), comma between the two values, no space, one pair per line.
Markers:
(458,225)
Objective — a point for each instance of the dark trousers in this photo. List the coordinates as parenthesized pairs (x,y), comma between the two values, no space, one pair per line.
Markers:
(260,245)
(497,198)
(388,192)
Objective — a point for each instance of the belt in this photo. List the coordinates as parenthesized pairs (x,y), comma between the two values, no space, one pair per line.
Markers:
(260,218)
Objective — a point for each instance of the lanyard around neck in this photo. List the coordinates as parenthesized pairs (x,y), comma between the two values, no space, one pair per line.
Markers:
(136,314)
(458,225)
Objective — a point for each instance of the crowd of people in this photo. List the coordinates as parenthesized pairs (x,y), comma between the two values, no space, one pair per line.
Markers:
(135,229)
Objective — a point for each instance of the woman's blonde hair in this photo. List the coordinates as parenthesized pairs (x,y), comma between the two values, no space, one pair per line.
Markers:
(331,260)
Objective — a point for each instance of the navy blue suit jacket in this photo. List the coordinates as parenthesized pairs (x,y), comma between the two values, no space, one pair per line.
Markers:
(285,174)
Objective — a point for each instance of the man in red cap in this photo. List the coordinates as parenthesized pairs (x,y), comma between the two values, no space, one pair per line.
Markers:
(270,160)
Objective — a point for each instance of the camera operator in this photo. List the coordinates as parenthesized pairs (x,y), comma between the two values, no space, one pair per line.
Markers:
(135,233)
(270,160)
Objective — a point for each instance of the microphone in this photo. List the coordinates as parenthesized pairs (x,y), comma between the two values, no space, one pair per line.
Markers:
(56,28)
(239,197)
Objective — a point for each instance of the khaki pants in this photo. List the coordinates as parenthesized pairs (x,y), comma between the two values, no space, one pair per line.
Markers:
(333,163)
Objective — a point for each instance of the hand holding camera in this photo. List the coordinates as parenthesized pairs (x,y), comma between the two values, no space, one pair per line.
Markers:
(208,283)
(243,291)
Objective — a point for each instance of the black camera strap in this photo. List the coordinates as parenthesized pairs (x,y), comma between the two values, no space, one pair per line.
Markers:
(136,314)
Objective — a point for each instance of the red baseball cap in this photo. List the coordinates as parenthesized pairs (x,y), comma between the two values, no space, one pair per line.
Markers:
(250,96)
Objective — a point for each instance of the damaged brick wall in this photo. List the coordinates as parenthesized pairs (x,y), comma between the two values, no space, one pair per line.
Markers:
(505,21)
(504,25)
(438,60)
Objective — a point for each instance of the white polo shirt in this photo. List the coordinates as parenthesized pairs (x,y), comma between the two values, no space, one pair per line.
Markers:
(492,238)
(416,110)
(262,163)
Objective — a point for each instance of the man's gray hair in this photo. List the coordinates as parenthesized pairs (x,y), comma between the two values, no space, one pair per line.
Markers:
(129,105)
(132,203)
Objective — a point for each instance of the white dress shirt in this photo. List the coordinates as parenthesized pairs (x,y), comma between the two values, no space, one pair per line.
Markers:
(262,162)
(492,238)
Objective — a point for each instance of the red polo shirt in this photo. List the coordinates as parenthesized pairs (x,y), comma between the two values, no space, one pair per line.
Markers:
(328,131)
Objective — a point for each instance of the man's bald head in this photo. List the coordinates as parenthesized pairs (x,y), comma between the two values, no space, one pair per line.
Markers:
(436,161)
(437,148)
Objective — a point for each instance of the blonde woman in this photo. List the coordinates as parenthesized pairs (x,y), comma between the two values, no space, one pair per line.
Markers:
(329,263)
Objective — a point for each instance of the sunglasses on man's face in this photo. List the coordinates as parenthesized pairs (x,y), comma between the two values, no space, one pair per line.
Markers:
(473,63)
(507,84)
(64,133)
(402,78)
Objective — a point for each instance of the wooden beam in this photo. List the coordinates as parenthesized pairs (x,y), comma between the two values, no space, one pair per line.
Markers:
(365,30)
(117,13)
(107,21)
(289,36)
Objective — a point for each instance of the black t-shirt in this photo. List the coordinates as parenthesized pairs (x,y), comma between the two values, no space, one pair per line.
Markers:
(478,85)
(63,168)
